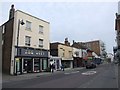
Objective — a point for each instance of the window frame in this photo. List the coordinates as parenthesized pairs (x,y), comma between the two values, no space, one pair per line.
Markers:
(27,41)
(41,29)
(41,44)
(28,25)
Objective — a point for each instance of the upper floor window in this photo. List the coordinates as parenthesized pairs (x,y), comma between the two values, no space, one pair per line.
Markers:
(76,53)
(40,29)
(28,25)
(27,40)
(70,54)
(40,42)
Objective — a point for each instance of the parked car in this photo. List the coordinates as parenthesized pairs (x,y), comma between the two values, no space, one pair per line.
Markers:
(97,61)
(90,65)
(116,61)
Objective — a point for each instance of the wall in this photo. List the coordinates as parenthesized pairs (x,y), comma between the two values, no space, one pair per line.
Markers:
(54,49)
(0,57)
(7,45)
(95,46)
(34,33)
(67,50)
(77,52)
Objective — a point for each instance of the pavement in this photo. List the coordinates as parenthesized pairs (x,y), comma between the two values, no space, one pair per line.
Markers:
(9,78)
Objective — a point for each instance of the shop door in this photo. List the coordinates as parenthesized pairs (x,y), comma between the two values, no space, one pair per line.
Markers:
(28,65)
(18,66)
(58,64)
(44,64)
(36,65)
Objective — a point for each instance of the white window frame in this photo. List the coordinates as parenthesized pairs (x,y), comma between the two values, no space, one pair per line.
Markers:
(28,25)
(41,29)
(41,42)
(27,40)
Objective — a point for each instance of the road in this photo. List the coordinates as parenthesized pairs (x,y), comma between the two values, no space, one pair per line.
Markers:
(104,76)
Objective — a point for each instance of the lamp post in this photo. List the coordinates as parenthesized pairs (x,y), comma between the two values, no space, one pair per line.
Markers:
(20,22)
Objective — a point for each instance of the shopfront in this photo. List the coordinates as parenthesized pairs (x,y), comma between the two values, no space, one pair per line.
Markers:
(31,60)
(67,63)
(77,62)
(56,61)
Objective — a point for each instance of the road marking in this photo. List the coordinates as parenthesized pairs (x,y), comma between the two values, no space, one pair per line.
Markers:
(66,73)
(72,72)
(89,73)
(75,72)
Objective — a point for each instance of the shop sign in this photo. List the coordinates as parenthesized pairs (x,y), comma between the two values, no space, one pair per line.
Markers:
(32,52)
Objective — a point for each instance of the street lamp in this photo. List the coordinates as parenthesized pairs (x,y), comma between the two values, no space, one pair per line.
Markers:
(20,22)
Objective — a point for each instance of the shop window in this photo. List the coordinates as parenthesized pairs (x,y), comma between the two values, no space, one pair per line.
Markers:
(36,65)
(44,64)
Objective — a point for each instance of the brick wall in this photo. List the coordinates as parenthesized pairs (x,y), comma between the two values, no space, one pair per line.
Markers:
(7,46)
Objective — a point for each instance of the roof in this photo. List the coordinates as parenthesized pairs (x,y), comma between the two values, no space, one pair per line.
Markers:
(58,43)
(7,21)
(32,16)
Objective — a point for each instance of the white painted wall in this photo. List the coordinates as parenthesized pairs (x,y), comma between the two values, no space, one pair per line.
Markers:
(34,33)
(78,51)
(95,55)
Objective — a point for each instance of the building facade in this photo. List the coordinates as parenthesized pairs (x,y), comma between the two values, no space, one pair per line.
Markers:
(0,52)
(117,29)
(56,61)
(77,56)
(97,46)
(28,44)
(7,35)
(63,51)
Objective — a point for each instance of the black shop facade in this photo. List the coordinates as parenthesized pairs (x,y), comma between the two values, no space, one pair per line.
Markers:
(30,60)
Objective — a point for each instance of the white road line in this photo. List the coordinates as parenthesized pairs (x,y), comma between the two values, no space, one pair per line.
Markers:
(75,72)
(89,73)
(66,73)
(72,72)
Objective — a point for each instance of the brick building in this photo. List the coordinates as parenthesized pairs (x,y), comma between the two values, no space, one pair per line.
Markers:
(97,46)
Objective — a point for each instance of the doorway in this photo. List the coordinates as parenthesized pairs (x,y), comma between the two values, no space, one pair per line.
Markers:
(28,65)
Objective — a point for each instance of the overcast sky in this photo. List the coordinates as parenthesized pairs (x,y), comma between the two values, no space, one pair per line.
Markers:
(79,21)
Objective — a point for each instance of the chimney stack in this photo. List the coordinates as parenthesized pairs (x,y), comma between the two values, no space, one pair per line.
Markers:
(66,42)
(12,11)
(73,41)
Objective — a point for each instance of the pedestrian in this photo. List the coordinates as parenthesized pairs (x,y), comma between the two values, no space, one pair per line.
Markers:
(52,67)
(62,67)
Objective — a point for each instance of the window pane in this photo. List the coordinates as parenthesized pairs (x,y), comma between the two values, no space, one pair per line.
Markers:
(27,40)
(40,29)
(28,25)
(40,42)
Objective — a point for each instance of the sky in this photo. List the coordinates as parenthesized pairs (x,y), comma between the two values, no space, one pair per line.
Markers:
(79,21)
